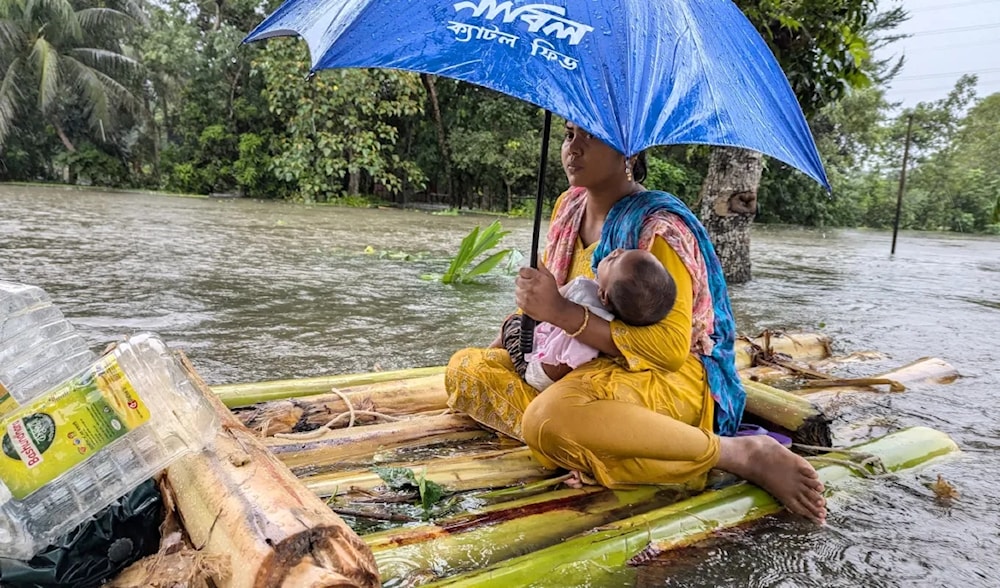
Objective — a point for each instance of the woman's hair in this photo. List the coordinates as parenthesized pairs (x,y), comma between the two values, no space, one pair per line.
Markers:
(639,167)
(646,296)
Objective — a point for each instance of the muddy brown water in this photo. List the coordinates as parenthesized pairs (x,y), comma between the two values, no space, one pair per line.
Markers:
(265,290)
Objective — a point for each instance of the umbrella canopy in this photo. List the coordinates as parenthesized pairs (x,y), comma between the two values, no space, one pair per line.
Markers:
(634,73)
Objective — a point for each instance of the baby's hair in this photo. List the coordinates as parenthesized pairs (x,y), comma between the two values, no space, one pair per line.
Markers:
(646,296)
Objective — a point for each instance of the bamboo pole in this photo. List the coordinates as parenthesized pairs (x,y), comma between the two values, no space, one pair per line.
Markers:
(798,416)
(393,398)
(309,456)
(471,541)
(239,395)
(585,559)
(240,506)
(493,469)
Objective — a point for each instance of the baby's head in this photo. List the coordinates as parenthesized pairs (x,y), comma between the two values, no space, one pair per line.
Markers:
(635,286)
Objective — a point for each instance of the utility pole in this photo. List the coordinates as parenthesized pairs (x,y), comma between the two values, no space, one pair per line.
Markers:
(902,182)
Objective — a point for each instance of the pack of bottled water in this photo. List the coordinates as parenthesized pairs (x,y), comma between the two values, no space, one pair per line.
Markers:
(80,431)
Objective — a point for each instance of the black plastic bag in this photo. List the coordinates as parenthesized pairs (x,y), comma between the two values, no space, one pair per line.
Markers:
(98,549)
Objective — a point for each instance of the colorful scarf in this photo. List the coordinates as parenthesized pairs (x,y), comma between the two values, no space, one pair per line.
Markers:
(633,223)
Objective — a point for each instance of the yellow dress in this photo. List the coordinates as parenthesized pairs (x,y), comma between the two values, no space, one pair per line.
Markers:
(643,418)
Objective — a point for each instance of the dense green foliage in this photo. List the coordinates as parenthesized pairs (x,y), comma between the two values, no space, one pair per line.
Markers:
(161,95)
(953,181)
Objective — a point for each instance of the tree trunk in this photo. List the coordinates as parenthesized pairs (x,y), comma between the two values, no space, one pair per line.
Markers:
(218,16)
(728,204)
(354,182)
(62,136)
(442,136)
(150,111)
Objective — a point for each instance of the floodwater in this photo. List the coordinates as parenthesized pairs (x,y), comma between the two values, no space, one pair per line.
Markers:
(264,290)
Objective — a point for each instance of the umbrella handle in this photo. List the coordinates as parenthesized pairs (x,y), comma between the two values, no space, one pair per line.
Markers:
(528,323)
(527,334)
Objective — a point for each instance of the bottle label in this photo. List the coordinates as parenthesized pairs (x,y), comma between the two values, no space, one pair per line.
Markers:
(7,402)
(66,426)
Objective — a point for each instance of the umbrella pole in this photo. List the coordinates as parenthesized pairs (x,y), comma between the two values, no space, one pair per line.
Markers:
(528,323)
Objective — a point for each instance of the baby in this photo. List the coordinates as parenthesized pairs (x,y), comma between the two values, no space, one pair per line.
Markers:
(631,285)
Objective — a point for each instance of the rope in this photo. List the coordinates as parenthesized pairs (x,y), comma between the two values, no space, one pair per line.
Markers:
(351,412)
(347,402)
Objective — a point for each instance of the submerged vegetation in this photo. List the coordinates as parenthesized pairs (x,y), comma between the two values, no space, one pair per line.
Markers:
(474,245)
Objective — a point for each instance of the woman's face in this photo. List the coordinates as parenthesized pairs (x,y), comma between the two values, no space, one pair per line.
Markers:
(588,161)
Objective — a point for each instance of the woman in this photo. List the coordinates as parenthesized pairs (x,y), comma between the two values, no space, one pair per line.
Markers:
(646,411)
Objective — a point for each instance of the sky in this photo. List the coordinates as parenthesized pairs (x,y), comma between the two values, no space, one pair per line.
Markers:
(948,38)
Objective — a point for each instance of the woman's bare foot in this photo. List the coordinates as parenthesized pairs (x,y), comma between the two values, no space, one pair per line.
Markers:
(578,479)
(785,475)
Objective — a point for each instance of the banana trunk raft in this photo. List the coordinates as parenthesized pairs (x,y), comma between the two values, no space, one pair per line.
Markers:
(368,479)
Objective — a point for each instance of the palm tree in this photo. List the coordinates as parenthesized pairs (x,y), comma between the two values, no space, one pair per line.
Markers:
(55,52)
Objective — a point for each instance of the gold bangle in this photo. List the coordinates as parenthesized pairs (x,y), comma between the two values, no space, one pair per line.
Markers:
(586,319)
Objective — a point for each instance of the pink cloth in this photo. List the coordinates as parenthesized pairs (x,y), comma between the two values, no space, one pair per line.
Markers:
(553,346)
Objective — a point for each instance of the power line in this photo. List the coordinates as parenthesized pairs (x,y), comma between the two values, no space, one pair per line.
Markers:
(981,90)
(956,30)
(951,6)
(922,47)
(950,74)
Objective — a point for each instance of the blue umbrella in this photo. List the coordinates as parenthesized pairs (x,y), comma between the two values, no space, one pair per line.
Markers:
(634,73)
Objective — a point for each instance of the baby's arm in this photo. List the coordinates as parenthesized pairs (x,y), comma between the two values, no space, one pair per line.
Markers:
(556,372)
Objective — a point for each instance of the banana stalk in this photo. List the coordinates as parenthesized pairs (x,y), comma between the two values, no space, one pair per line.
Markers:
(310,454)
(801,418)
(467,542)
(584,559)
(406,392)
(924,370)
(239,395)
(800,346)
(393,398)
(493,469)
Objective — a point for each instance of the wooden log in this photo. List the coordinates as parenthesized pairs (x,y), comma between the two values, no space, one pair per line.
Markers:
(583,560)
(241,506)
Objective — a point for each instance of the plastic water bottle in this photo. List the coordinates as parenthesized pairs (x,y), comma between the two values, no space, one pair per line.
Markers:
(38,347)
(92,438)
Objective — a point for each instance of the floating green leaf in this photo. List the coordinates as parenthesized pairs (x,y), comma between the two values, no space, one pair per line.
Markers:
(474,245)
